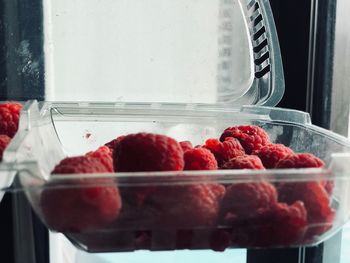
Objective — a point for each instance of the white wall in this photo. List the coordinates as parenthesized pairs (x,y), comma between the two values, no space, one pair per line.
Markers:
(341,75)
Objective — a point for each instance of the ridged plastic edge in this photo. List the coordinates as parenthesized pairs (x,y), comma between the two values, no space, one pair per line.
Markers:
(277,80)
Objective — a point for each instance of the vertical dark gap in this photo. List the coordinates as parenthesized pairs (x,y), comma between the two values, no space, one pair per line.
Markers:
(292,18)
(6,226)
(2,52)
(320,107)
(273,256)
(22,78)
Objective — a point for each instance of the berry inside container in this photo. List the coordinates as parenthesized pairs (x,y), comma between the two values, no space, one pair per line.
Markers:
(192,170)
(114,178)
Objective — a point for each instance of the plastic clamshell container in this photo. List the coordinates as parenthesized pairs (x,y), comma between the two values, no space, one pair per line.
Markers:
(7,169)
(248,71)
(187,51)
(7,175)
(56,130)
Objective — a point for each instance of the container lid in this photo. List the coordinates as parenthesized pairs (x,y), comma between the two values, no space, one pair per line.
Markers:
(186,51)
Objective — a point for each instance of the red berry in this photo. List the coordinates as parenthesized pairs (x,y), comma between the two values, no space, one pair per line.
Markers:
(225,150)
(200,159)
(148,152)
(144,152)
(305,160)
(113,143)
(186,206)
(143,239)
(80,164)
(316,200)
(186,145)
(278,225)
(184,238)
(9,118)
(283,224)
(81,204)
(300,160)
(328,186)
(4,141)
(271,154)
(243,200)
(104,154)
(244,162)
(251,137)
(220,240)
(188,209)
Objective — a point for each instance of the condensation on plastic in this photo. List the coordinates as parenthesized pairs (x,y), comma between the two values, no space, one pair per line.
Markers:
(51,131)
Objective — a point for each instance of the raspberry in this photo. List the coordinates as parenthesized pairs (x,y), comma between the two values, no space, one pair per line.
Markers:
(328,186)
(251,137)
(148,152)
(277,225)
(186,206)
(181,207)
(244,199)
(200,159)
(220,240)
(144,152)
(113,143)
(284,225)
(271,154)
(217,190)
(244,162)
(186,145)
(4,141)
(104,154)
(202,238)
(305,160)
(86,204)
(143,239)
(300,160)
(135,214)
(225,150)
(9,118)
(184,238)
(80,164)
(316,200)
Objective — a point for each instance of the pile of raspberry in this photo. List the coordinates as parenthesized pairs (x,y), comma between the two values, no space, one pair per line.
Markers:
(179,210)
(9,119)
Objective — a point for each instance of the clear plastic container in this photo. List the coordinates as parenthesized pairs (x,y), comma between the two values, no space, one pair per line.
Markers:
(248,71)
(188,51)
(68,129)
(7,175)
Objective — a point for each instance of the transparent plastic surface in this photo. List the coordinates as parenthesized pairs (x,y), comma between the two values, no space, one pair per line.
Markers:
(7,175)
(164,47)
(221,51)
(68,129)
